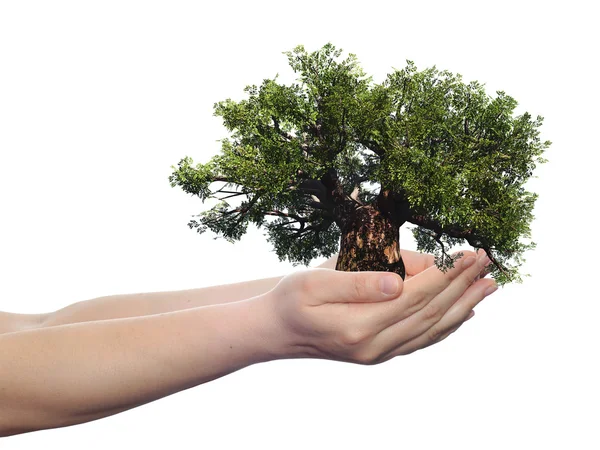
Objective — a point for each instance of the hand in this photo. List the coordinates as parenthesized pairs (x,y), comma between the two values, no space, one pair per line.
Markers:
(414,262)
(345,316)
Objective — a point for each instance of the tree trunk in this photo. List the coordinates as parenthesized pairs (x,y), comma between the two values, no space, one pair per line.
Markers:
(370,242)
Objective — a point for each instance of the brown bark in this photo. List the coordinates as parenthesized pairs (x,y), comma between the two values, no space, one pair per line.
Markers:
(370,242)
(370,233)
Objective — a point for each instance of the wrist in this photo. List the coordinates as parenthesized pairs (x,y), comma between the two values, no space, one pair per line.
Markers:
(271,341)
(283,343)
(259,333)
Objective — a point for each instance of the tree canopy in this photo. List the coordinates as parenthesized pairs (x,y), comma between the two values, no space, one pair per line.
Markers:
(453,159)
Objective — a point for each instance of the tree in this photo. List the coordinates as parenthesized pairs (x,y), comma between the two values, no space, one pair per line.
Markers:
(339,163)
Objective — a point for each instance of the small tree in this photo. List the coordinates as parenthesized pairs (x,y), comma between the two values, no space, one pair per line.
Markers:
(340,163)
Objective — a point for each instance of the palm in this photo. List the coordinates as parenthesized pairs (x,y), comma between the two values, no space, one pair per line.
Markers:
(415,263)
(418,262)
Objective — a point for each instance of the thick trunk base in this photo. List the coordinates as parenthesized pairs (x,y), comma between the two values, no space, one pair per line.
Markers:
(370,242)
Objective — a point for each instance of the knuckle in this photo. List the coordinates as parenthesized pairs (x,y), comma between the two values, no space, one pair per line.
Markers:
(360,287)
(444,336)
(409,351)
(432,312)
(415,303)
(353,336)
(308,286)
(367,357)
(458,265)
(435,333)
(447,333)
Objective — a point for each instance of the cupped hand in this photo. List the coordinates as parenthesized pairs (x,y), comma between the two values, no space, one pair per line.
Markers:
(414,263)
(347,316)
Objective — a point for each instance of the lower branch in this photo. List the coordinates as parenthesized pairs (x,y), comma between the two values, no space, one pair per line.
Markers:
(469,235)
(496,263)
(323,226)
(438,239)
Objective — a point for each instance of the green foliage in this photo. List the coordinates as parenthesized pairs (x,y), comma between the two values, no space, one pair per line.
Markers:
(460,157)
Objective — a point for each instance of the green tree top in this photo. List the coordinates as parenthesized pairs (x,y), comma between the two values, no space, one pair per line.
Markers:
(441,154)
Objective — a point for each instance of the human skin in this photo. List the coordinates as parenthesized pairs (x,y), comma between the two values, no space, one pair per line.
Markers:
(72,368)
(143,304)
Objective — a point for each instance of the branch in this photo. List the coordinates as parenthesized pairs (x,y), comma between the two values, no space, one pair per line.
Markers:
(353,197)
(279,130)
(228,192)
(225,179)
(426,222)
(234,195)
(242,210)
(284,214)
(373,146)
(226,213)
(438,239)
(356,189)
(322,226)
(317,205)
(333,187)
(316,187)
(252,203)
(496,263)
(470,236)
(283,224)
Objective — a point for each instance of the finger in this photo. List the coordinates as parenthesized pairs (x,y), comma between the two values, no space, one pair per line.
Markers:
(416,294)
(485,272)
(432,281)
(438,307)
(432,312)
(415,345)
(416,262)
(352,287)
(441,338)
(459,313)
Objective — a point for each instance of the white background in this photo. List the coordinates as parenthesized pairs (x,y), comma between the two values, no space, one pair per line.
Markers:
(99,99)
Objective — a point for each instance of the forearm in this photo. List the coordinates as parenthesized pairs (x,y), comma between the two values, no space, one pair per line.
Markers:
(136,305)
(70,374)
(144,304)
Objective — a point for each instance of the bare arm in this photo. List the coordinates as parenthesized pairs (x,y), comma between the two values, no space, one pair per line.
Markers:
(135,305)
(143,304)
(64,375)
(11,322)
(68,374)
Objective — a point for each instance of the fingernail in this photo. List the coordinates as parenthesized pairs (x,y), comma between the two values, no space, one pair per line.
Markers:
(470,316)
(388,285)
(468,262)
(490,290)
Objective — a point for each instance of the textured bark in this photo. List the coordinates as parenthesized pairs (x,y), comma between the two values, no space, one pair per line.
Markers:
(370,233)
(370,242)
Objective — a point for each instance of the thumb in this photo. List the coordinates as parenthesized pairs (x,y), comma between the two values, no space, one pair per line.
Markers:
(366,287)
